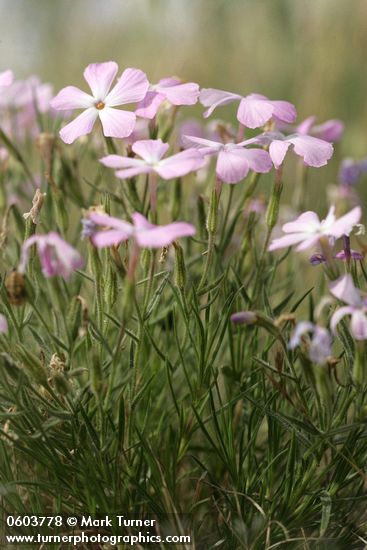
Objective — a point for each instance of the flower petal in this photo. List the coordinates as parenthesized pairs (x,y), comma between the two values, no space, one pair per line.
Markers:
(213,98)
(81,126)
(110,237)
(99,218)
(117,123)
(338,316)
(6,78)
(253,112)
(180,164)
(132,172)
(331,130)
(284,111)
(164,235)
(315,152)
(130,88)
(277,152)
(345,224)
(178,93)
(344,289)
(306,222)
(151,150)
(100,77)
(72,98)
(117,162)
(148,107)
(232,166)
(358,325)
(205,146)
(287,240)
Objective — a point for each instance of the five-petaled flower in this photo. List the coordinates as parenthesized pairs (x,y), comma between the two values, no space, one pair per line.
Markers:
(130,88)
(144,233)
(344,289)
(234,160)
(170,89)
(57,257)
(307,229)
(152,152)
(254,110)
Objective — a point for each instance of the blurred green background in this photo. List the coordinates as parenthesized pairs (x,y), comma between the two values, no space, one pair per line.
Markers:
(312,52)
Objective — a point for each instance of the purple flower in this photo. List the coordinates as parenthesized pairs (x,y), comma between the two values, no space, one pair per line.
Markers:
(314,151)
(145,234)
(351,171)
(344,289)
(307,229)
(320,344)
(254,110)
(152,152)
(130,88)
(6,78)
(57,257)
(3,324)
(233,160)
(170,89)
(244,318)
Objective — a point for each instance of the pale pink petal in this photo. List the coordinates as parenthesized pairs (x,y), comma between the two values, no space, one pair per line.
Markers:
(253,112)
(151,150)
(345,224)
(130,88)
(148,107)
(111,237)
(118,162)
(232,166)
(117,123)
(308,221)
(180,164)
(312,240)
(6,78)
(177,93)
(109,221)
(81,126)
(358,325)
(140,221)
(315,152)
(338,316)
(205,146)
(3,324)
(287,240)
(72,98)
(132,172)
(258,159)
(100,77)
(213,98)
(163,235)
(331,130)
(284,111)
(344,289)
(277,152)
(305,127)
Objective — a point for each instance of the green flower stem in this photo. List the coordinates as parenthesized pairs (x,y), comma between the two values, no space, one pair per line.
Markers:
(211,226)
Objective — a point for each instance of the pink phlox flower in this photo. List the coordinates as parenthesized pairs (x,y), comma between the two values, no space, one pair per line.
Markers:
(3,324)
(254,110)
(172,90)
(314,151)
(152,152)
(331,130)
(6,78)
(57,257)
(144,233)
(319,345)
(234,160)
(307,229)
(344,290)
(130,88)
